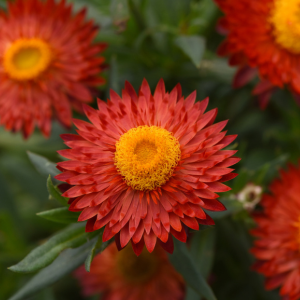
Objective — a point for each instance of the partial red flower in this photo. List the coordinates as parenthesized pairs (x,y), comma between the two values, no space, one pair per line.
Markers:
(147,166)
(277,248)
(262,38)
(123,275)
(48,64)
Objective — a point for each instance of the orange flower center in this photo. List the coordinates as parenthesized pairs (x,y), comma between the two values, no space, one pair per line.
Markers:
(137,269)
(146,157)
(26,59)
(285,18)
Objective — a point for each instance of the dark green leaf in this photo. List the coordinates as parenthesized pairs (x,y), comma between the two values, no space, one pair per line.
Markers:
(66,262)
(193,46)
(60,215)
(71,237)
(54,192)
(202,250)
(97,247)
(113,80)
(42,164)
(185,265)
(266,172)
(191,294)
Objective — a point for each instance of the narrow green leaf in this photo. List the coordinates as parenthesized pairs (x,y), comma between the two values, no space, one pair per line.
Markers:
(60,215)
(191,294)
(42,164)
(203,249)
(136,14)
(66,262)
(96,245)
(71,237)
(193,46)
(55,193)
(113,78)
(96,248)
(185,265)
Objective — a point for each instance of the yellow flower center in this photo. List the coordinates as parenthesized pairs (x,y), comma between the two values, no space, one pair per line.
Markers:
(137,269)
(146,157)
(285,18)
(26,59)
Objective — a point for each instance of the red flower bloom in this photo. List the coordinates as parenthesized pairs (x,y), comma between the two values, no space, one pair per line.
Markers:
(123,275)
(262,36)
(278,233)
(47,64)
(146,165)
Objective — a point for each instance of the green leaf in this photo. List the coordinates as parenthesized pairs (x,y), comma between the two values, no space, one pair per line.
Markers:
(191,294)
(54,192)
(183,262)
(66,262)
(42,164)
(193,46)
(60,215)
(71,237)
(202,250)
(113,79)
(97,247)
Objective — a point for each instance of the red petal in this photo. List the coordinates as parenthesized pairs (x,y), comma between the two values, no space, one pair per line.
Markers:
(138,247)
(169,245)
(181,235)
(150,241)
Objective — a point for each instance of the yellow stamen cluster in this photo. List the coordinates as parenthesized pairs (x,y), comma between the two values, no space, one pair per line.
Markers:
(297,225)
(146,157)
(26,59)
(285,18)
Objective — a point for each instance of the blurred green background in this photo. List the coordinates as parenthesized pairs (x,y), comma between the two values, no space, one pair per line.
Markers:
(175,40)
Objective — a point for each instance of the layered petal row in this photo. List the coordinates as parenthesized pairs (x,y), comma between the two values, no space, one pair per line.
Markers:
(180,200)
(48,64)
(277,248)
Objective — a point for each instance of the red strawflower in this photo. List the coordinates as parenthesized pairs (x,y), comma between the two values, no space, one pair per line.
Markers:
(146,166)
(263,38)
(48,64)
(278,233)
(123,275)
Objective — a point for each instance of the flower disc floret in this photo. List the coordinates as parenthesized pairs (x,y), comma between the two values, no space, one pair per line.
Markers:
(285,18)
(26,59)
(146,157)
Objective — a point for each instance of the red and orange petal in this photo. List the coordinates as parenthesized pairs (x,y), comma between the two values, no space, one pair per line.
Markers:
(147,216)
(122,276)
(48,64)
(277,248)
(252,45)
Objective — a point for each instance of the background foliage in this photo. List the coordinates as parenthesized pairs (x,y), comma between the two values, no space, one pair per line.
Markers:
(174,40)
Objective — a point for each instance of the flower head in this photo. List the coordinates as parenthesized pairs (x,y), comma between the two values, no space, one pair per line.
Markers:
(277,248)
(48,64)
(146,166)
(263,36)
(120,275)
